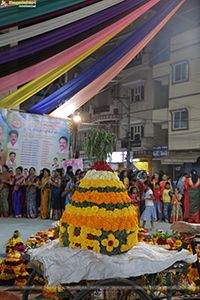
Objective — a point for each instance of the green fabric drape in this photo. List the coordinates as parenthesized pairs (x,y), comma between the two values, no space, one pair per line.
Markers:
(14,14)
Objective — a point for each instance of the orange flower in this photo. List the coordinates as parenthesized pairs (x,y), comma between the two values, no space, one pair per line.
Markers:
(97,197)
(99,222)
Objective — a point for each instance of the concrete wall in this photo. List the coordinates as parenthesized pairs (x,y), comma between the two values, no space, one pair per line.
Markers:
(183,95)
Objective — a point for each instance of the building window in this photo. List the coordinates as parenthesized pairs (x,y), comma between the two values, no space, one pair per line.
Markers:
(137,132)
(180,71)
(180,119)
(137,93)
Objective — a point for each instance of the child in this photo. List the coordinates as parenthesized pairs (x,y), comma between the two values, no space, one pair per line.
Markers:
(157,203)
(163,182)
(176,214)
(166,197)
(135,200)
(149,214)
(69,189)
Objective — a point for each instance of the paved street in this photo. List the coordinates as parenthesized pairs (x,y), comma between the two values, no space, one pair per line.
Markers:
(24,225)
(32,226)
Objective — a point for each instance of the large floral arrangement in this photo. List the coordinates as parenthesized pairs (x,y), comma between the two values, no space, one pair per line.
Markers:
(100,216)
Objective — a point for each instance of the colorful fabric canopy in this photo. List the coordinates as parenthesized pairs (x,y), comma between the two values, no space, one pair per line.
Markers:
(32,72)
(30,31)
(103,64)
(37,84)
(66,32)
(50,15)
(14,14)
(90,90)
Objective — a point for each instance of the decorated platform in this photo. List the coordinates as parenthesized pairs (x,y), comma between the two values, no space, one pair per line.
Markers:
(66,265)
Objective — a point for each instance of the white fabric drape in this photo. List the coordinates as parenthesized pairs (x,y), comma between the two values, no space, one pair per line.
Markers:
(65,265)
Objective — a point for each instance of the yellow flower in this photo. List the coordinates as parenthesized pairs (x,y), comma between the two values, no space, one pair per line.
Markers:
(62,229)
(124,248)
(84,230)
(98,232)
(110,243)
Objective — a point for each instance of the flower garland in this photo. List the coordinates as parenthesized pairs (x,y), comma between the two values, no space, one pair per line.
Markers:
(100,189)
(101,166)
(94,239)
(96,183)
(100,222)
(94,174)
(101,212)
(99,198)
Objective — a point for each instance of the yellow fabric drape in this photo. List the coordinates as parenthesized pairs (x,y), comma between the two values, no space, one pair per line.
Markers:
(40,82)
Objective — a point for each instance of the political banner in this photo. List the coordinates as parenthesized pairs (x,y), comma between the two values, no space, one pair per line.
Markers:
(75,163)
(3,137)
(36,141)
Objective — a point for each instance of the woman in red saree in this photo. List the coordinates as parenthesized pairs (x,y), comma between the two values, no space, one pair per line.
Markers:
(192,198)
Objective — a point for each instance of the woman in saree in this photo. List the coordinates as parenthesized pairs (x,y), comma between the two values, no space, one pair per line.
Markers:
(45,194)
(192,197)
(176,209)
(56,201)
(19,182)
(32,183)
(155,180)
(5,178)
(10,199)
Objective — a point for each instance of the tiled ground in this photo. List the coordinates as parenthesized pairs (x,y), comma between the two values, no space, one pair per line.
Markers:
(26,228)
(32,226)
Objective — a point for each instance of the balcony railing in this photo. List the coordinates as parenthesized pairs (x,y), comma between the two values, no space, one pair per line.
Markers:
(101,109)
(107,117)
(136,143)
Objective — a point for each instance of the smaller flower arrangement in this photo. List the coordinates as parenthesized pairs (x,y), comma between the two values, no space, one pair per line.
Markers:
(22,278)
(14,261)
(7,276)
(163,239)
(15,243)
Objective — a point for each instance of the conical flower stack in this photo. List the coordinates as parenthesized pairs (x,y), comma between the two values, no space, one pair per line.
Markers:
(100,216)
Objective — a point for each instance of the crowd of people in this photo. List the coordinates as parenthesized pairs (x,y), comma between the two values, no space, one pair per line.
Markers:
(30,195)
(46,195)
(160,199)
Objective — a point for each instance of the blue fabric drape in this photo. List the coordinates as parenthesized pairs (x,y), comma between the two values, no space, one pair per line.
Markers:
(103,64)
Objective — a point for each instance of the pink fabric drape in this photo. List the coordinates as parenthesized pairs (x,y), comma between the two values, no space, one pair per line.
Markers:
(26,75)
(89,91)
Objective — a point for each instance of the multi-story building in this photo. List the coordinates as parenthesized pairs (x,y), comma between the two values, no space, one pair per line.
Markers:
(182,114)
(160,89)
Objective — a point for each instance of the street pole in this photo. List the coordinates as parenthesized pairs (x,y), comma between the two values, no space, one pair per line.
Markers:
(128,133)
(75,129)
(128,109)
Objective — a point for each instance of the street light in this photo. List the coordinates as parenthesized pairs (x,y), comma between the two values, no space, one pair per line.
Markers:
(76,120)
